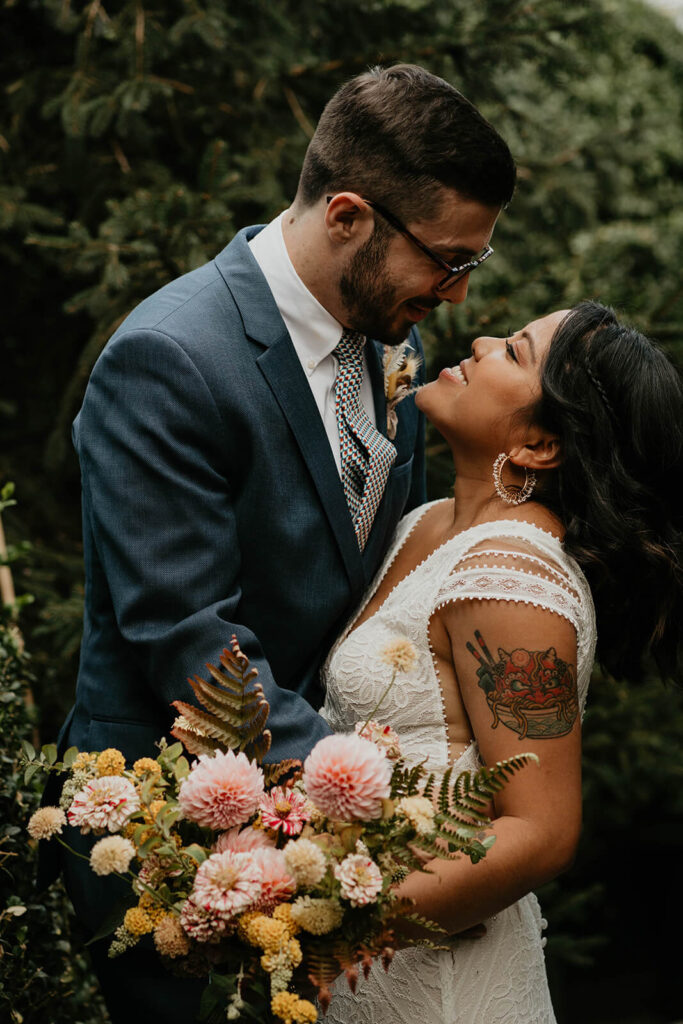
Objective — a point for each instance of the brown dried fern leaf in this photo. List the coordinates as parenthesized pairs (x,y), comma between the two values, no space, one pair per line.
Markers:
(195,744)
(288,771)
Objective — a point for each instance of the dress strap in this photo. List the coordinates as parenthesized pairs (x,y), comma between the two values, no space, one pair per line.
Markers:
(520,563)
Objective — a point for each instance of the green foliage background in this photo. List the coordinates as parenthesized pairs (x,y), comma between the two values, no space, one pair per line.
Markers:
(135,139)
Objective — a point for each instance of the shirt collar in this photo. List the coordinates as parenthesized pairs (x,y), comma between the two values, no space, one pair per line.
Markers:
(315,333)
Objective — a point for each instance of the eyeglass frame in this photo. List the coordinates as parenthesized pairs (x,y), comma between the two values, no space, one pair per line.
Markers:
(455,273)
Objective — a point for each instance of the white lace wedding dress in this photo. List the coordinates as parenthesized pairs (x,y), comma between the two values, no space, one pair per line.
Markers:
(500,978)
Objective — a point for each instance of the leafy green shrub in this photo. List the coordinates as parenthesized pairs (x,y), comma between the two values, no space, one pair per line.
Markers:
(44,973)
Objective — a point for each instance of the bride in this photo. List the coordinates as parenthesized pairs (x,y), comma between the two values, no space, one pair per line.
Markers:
(567,445)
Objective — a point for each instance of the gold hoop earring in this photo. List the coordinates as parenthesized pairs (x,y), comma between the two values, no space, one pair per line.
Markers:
(512,495)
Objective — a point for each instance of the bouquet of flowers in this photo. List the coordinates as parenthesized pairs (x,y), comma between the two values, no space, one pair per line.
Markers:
(269,879)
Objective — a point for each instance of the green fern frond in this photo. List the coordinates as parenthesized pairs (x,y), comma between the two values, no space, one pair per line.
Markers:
(421,922)
(429,844)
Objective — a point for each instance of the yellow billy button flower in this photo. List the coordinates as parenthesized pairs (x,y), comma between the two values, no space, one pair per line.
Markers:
(110,762)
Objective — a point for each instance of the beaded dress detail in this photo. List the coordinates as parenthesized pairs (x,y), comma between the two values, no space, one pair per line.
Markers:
(500,978)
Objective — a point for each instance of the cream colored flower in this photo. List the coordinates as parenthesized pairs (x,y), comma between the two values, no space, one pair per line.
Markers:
(46,822)
(305,860)
(419,811)
(317,916)
(111,854)
(400,654)
(170,939)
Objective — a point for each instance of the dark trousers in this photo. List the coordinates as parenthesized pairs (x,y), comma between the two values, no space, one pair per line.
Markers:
(136,986)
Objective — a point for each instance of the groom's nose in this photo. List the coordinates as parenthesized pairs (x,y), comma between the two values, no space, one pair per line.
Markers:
(456,292)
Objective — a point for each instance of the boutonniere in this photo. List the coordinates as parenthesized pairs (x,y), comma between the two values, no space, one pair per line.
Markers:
(400,366)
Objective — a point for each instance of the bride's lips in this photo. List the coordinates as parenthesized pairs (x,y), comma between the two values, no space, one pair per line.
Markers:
(456,374)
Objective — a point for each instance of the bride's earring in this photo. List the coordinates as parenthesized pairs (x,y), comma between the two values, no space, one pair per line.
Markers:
(512,495)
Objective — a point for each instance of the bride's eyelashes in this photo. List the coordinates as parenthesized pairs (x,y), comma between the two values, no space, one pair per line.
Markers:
(508,347)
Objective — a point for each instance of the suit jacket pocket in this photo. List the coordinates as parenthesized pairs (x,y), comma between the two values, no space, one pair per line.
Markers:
(133,738)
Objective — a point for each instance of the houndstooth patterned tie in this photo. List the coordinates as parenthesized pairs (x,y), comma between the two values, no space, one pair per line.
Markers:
(366,455)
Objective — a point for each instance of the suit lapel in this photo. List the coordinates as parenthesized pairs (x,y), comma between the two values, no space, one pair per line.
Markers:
(280,366)
(374,353)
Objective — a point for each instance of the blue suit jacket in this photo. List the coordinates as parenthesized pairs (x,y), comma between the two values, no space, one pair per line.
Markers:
(211,506)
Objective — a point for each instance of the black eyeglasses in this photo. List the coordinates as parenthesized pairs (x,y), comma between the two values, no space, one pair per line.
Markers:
(453,273)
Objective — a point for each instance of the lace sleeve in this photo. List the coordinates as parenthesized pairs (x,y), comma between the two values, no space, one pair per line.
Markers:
(513,570)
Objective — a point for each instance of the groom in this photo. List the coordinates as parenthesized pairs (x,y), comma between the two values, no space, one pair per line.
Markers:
(238,476)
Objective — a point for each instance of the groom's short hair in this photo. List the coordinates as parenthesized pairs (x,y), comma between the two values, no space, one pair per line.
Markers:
(397,136)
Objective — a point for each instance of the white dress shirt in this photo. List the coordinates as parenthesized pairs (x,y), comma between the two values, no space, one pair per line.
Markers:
(314,332)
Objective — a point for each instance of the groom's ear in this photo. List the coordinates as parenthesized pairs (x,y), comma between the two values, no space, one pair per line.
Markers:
(541,450)
(348,218)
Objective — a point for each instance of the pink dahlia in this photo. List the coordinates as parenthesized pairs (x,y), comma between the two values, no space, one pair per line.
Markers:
(347,777)
(104,805)
(361,879)
(277,882)
(222,790)
(243,840)
(227,883)
(285,809)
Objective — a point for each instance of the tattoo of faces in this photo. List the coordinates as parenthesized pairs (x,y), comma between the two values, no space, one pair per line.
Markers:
(531,692)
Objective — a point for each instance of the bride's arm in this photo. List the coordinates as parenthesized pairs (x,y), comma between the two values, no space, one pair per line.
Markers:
(513,663)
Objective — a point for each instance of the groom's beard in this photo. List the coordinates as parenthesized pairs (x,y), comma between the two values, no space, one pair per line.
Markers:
(369,294)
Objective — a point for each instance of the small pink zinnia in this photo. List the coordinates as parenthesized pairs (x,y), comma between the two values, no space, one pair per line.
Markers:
(201,925)
(285,809)
(347,777)
(383,736)
(361,879)
(227,883)
(222,790)
(105,804)
(277,882)
(243,840)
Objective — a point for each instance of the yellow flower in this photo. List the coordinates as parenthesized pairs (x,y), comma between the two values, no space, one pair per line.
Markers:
(137,922)
(155,807)
(244,923)
(266,933)
(154,911)
(83,760)
(400,654)
(110,762)
(146,766)
(283,912)
(292,1010)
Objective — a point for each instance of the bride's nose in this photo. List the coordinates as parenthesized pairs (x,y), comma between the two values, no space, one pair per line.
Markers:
(481,346)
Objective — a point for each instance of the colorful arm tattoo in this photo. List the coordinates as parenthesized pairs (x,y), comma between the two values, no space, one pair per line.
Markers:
(531,692)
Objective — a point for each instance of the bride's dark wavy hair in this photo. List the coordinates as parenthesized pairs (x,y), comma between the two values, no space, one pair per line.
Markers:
(616,402)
